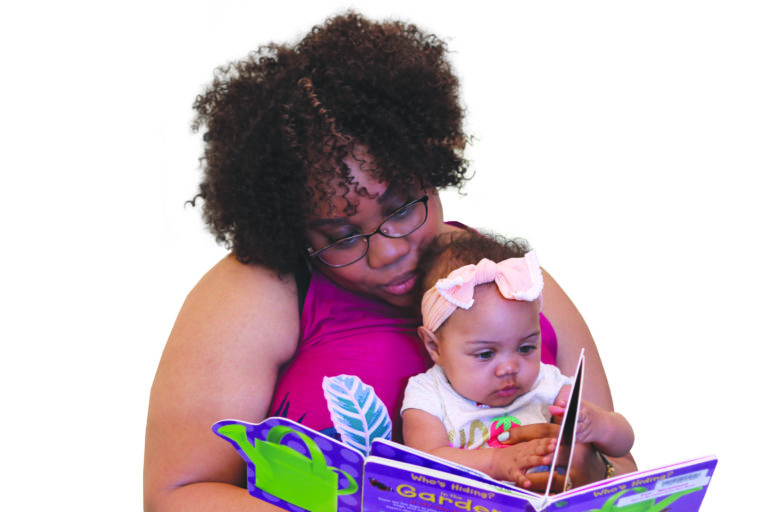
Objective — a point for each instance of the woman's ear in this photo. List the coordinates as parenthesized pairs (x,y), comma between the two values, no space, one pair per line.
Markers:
(431,343)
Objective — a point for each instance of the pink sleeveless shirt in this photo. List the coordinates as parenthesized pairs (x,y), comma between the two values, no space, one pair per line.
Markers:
(344,333)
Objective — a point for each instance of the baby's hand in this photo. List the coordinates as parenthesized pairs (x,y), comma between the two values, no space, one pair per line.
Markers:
(558,409)
(512,462)
(586,424)
(608,431)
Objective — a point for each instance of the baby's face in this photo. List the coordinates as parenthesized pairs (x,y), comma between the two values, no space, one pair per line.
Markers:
(491,352)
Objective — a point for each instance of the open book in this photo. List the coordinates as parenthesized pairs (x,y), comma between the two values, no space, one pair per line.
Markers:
(298,469)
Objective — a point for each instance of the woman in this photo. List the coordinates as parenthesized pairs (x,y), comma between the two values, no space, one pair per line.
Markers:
(322,166)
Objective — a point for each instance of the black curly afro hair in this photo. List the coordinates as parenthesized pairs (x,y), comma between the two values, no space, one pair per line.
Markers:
(288,113)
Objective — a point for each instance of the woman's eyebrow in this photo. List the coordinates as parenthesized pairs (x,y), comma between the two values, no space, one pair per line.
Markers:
(386,195)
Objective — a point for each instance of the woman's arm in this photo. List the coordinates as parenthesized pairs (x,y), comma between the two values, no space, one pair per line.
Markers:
(573,335)
(234,331)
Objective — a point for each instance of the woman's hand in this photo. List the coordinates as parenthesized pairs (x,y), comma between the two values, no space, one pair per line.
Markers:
(526,433)
(586,465)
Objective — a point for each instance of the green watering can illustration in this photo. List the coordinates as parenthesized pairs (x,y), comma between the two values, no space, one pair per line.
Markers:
(307,482)
(642,506)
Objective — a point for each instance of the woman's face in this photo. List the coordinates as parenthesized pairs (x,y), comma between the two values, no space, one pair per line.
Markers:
(388,270)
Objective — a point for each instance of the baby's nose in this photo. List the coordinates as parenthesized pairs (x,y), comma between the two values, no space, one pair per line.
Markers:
(507,367)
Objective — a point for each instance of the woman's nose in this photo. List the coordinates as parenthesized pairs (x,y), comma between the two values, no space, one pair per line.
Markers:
(383,251)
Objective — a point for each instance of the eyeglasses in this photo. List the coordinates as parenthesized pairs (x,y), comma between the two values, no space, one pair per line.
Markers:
(402,222)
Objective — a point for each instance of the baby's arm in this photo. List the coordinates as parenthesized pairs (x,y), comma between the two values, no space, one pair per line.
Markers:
(608,431)
(426,432)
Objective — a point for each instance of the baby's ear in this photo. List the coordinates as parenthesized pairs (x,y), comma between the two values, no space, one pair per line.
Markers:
(431,343)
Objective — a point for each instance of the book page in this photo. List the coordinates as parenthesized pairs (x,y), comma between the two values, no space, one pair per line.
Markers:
(567,435)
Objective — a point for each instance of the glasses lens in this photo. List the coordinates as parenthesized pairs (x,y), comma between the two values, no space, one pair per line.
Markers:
(405,221)
(345,251)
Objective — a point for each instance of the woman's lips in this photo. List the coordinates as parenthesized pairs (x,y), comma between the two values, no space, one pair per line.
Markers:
(401,285)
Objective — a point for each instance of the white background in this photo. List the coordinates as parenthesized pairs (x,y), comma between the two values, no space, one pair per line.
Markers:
(626,141)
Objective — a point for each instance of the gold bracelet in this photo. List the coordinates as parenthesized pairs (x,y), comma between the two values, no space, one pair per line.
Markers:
(610,471)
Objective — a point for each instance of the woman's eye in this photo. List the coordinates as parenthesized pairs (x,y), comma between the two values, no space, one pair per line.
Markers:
(402,210)
(345,242)
(402,213)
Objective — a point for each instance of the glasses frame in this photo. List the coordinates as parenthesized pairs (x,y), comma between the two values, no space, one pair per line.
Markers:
(367,236)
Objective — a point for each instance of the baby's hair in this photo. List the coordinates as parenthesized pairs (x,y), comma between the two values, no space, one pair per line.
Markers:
(456,249)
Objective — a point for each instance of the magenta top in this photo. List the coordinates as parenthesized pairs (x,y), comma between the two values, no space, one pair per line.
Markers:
(345,333)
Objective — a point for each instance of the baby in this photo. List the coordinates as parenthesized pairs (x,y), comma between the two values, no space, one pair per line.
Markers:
(481,328)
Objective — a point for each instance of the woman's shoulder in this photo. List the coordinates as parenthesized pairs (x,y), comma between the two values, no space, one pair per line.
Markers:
(230,280)
(232,272)
(238,301)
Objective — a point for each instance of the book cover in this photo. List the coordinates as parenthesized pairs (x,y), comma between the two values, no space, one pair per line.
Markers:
(298,469)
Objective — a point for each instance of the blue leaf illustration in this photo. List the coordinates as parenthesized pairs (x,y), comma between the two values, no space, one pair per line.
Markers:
(357,413)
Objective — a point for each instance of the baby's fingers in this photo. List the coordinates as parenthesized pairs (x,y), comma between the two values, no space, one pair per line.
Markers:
(556,410)
(518,478)
(534,459)
(544,446)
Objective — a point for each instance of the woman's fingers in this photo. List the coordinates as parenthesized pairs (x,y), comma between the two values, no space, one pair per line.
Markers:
(538,482)
(531,432)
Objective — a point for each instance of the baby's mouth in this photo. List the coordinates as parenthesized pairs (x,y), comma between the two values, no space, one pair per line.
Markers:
(507,391)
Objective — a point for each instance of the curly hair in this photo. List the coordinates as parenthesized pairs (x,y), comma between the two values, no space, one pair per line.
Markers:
(280,122)
(455,249)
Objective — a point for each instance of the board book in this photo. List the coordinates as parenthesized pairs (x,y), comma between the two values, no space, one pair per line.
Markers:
(297,468)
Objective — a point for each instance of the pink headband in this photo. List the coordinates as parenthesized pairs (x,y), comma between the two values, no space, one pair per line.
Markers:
(516,278)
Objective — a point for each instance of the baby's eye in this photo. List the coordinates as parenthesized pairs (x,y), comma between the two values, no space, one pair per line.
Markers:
(485,355)
(526,349)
